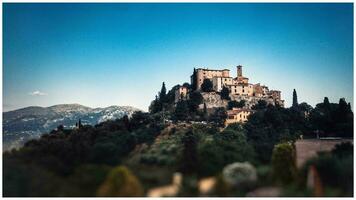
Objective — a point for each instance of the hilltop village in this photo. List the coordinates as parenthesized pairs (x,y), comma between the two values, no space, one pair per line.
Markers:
(220,90)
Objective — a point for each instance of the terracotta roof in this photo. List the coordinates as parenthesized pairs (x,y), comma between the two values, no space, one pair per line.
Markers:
(237,110)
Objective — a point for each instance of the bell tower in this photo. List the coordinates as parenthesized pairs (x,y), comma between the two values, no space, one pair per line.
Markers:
(239,71)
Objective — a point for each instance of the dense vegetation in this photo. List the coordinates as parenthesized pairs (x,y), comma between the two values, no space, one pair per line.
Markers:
(128,156)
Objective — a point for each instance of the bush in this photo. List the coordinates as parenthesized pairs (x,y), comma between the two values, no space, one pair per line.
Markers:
(240,174)
(224,94)
(207,85)
(226,147)
(284,163)
(235,104)
(120,183)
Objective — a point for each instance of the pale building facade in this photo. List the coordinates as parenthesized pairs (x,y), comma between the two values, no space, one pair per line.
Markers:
(181,94)
(237,86)
(237,115)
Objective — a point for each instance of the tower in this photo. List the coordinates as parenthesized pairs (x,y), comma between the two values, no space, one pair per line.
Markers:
(239,71)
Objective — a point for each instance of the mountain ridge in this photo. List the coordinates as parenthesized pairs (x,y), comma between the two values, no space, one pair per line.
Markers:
(31,122)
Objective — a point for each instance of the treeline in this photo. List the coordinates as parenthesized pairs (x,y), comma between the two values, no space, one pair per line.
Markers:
(64,161)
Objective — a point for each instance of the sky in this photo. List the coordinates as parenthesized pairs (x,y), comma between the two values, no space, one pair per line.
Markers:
(107,54)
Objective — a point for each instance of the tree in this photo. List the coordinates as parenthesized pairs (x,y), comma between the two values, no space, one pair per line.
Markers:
(155,106)
(187,85)
(194,80)
(326,102)
(195,99)
(190,154)
(284,163)
(181,112)
(261,104)
(219,116)
(295,99)
(162,94)
(60,128)
(80,124)
(207,85)
(225,93)
(227,147)
(235,104)
(205,112)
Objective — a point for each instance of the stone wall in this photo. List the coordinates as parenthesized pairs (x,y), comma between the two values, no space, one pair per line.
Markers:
(213,100)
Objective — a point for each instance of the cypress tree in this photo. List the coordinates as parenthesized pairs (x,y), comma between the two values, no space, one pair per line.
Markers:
(326,101)
(194,80)
(205,112)
(295,98)
(163,93)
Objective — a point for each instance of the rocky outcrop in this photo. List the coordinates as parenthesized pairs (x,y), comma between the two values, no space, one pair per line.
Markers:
(213,100)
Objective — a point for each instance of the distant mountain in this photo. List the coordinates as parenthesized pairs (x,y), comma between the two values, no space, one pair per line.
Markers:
(24,124)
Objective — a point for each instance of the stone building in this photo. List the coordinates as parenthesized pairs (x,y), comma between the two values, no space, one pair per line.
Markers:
(237,115)
(181,94)
(238,86)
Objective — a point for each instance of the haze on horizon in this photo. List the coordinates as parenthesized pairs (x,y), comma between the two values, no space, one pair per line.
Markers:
(99,55)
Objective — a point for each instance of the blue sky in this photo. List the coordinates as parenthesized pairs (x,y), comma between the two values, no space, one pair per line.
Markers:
(119,54)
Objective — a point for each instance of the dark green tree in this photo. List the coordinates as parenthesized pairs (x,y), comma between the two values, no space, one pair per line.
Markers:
(295,98)
(225,93)
(326,102)
(194,80)
(261,104)
(163,93)
(187,85)
(219,116)
(207,85)
(190,154)
(205,112)
(284,168)
(181,112)
(235,104)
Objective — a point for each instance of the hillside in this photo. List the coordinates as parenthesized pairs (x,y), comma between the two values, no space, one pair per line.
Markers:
(23,124)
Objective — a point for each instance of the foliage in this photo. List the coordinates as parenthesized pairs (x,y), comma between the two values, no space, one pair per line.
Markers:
(225,93)
(221,149)
(190,159)
(240,174)
(235,104)
(162,94)
(181,112)
(295,99)
(120,182)
(284,163)
(332,119)
(261,104)
(61,153)
(219,116)
(335,169)
(194,80)
(195,99)
(273,125)
(207,85)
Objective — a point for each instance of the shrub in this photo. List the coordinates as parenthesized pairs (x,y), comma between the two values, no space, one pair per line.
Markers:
(284,163)
(238,174)
(235,104)
(120,183)
(224,94)
(207,85)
